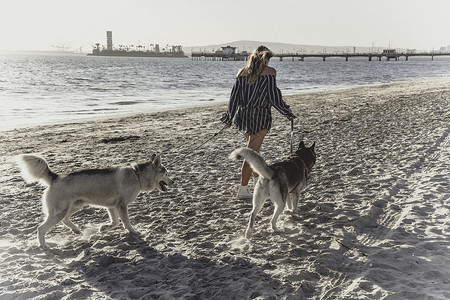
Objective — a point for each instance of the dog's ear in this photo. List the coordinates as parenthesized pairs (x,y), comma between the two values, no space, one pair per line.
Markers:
(301,145)
(313,145)
(153,157)
(156,161)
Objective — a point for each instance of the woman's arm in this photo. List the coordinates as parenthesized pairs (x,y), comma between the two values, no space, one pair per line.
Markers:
(275,97)
(233,105)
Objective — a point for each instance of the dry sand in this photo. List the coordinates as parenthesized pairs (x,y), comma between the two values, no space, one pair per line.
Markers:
(373,222)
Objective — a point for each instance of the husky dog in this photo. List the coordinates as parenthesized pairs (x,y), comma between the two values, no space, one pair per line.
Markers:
(113,188)
(278,180)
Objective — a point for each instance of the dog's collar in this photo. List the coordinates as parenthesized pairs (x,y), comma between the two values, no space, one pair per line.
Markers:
(308,170)
(293,155)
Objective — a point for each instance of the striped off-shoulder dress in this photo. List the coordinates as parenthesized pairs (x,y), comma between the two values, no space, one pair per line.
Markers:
(250,104)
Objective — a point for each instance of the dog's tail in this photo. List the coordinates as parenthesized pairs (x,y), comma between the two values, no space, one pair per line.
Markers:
(255,160)
(35,168)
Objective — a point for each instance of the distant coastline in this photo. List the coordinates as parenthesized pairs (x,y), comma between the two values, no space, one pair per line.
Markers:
(249,46)
(45,52)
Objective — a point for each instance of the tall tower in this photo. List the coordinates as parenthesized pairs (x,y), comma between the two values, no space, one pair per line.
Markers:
(109,44)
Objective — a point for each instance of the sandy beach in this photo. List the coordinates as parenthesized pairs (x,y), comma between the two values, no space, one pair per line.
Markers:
(373,222)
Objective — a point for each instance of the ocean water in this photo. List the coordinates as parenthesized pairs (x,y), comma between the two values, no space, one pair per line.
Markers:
(49,88)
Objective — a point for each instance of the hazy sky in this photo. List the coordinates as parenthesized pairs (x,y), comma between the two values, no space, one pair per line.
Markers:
(38,24)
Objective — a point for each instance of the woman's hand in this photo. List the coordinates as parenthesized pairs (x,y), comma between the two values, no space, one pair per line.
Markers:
(290,116)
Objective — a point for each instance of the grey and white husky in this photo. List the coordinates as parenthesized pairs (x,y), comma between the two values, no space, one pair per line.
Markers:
(113,188)
(276,181)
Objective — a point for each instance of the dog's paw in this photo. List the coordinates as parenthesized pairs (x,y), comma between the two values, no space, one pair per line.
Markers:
(136,233)
(105,228)
(76,231)
(291,212)
(44,247)
(276,229)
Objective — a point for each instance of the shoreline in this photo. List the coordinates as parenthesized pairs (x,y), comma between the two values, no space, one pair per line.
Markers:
(372,223)
(219,103)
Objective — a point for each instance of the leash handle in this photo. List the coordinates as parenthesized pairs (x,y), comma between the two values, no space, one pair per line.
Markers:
(292,135)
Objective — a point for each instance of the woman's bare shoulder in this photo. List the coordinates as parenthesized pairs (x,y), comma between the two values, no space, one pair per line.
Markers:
(242,72)
(269,71)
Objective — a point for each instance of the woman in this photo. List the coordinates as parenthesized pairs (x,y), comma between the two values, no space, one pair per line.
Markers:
(254,93)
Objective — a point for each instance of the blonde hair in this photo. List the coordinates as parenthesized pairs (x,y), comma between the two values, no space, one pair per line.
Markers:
(256,63)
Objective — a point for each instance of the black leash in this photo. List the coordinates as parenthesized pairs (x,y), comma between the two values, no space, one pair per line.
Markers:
(204,142)
(223,128)
(292,136)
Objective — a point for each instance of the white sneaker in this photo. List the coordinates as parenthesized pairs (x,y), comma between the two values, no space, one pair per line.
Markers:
(244,193)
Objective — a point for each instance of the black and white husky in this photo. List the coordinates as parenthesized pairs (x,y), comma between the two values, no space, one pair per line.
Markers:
(113,188)
(276,181)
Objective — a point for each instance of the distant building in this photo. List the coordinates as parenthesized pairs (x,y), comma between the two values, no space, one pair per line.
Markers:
(227,51)
(178,48)
(123,50)
(109,43)
(389,52)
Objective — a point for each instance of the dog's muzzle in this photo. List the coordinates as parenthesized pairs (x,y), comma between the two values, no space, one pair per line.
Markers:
(163,185)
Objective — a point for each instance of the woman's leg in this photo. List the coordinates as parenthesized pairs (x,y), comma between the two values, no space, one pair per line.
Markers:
(254,142)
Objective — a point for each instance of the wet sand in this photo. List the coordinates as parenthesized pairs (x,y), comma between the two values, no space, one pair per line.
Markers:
(373,222)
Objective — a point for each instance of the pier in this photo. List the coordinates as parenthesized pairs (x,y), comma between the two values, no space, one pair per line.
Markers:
(386,54)
(226,53)
(229,53)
